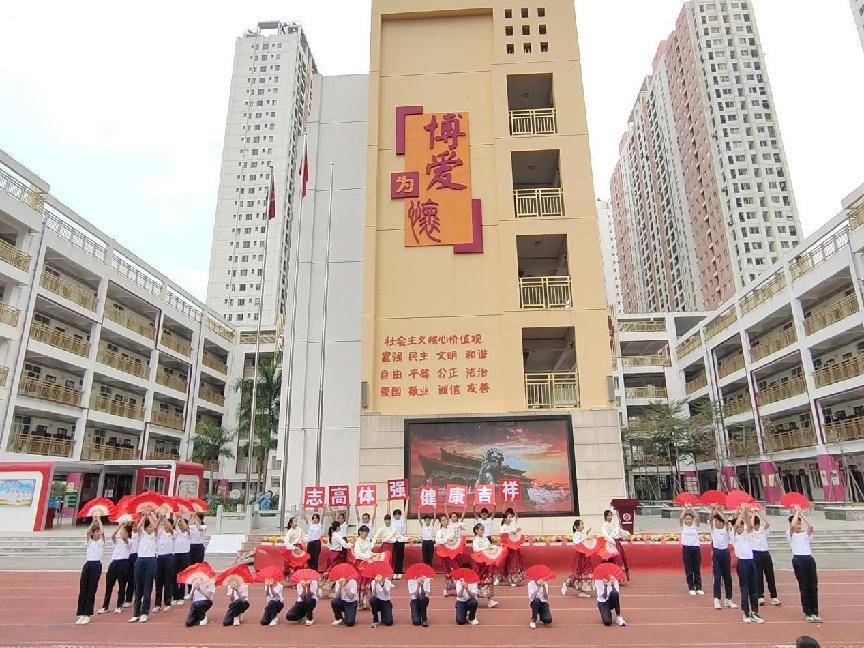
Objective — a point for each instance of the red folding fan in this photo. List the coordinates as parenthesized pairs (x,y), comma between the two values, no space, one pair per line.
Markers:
(307,575)
(99,507)
(686,498)
(235,576)
(463,573)
(377,568)
(713,497)
(539,572)
(269,573)
(343,570)
(198,571)
(419,570)
(604,571)
(793,499)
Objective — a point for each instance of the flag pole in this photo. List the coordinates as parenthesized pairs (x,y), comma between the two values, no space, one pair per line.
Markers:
(283,477)
(252,411)
(324,333)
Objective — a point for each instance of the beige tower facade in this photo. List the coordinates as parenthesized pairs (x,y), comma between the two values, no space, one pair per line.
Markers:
(484,314)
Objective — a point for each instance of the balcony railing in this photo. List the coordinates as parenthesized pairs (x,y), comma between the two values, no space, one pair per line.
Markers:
(545,202)
(4,374)
(117,408)
(646,391)
(13,256)
(730,365)
(167,419)
(545,292)
(74,235)
(220,329)
(850,429)
(211,395)
(723,321)
(42,445)
(737,405)
(835,372)
(135,324)
(176,344)
(122,363)
(773,343)
(209,360)
(764,292)
(64,341)
(782,391)
(646,361)
(695,384)
(174,382)
(533,121)
(824,317)
(777,440)
(164,455)
(689,345)
(69,291)
(49,391)
(93,451)
(21,191)
(642,326)
(9,315)
(746,447)
(266,337)
(550,390)
(819,253)
(856,218)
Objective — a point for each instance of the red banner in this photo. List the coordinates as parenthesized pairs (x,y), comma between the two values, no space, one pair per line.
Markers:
(397,489)
(428,497)
(313,497)
(484,495)
(510,489)
(367,495)
(339,496)
(456,495)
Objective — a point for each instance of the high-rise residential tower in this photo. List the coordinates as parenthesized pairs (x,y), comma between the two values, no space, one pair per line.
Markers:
(610,254)
(858,13)
(702,200)
(267,108)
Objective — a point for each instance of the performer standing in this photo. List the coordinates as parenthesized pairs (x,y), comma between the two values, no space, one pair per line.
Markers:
(486,519)
(118,570)
(580,569)
(313,537)
(612,531)
(538,596)
(182,552)
(448,547)
(133,556)
(164,565)
(398,554)
(304,606)
(804,565)
(427,538)
(197,530)
(145,567)
(293,534)
(746,566)
(338,547)
(764,562)
(691,551)
(418,593)
(514,572)
(721,559)
(486,558)
(363,553)
(91,571)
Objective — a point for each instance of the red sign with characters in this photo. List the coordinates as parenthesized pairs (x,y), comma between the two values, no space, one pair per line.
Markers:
(313,497)
(339,496)
(428,497)
(367,495)
(510,489)
(484,495)
(456,495)
(397,489)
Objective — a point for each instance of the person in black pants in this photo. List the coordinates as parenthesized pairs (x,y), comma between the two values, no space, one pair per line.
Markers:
(764,563)
(314,530)
(202,600)
(90,572)
(182,552)
(418,592)
(398,558)
(238,602)
(466,603)
(304,606)
(803,564)
(380,603)
(165,576)
(427,535)
(609,601)
(691,551)
(145,567)
(273,596)
(118,571)
(746,567)
(538,595)
(721,559)
(133,556)
(344,602)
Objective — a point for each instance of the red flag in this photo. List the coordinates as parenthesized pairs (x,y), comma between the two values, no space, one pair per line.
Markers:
(271,200)
(304,171)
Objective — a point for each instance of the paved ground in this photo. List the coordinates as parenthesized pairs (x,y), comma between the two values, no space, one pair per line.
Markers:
(38,610)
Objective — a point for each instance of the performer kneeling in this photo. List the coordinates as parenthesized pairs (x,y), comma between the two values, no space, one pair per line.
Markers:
(418,592)
(538,595)
(238,603)
(344,602)
(304,606)
(202,600)
(382,606)
(273,596)
(466,602)
(609,601)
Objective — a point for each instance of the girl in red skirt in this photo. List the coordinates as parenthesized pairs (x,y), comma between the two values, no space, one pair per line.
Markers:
(487,559)
(448,547)
(338,547)
(511,537)
(580,570)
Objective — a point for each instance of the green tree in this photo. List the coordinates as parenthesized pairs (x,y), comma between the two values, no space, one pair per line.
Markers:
(268,387)
(210,443)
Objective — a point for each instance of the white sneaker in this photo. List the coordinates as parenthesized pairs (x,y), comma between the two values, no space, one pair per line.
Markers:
(101,610)
(692,592)
(236,622)
(275,621)
(188,596)
(374,624)
(757,619)
(700,592)
(761,601)
(816,619)
(85,620)
(564,589)
(775,601)
(497,581)
(584,595)
(118,610)
(475,622)
(532,625)
(142,618)
(178,602)
(747,619)
(717,604)
(78,620)
(731,604)
(621,621)
(204,621)
(444,592)
(310,621)
(133,620)
(512,584)
(493,604)
(127,605)
(337,622)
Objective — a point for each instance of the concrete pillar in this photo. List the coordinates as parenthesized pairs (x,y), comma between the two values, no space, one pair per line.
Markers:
(770,481)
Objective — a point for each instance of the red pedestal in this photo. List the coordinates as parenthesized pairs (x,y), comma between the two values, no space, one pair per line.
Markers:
(626,509)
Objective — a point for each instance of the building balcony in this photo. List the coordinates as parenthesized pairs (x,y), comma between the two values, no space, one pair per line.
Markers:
(856,218)
(69,291)
(551,390)
(9,315)
(167,419)
(4,375)
(176,344)
(541,293)
(819,253)
(59,340)
(738,405)
(117,408)
(27,443)
(695,384)
(49,391)
(773,343)
(779,440)
(211,395)
(646,391)
(721,323)
(543,202)
(833,373)
(741,448)
(642,326)
(164,455)
(174,382)
(730,365)
(93,451)
(214,363)
(220,329)
(122,363)
(13,256)
(763,293)
(689,345)
(793,387)
(534,121)
(850,429)
(22,192)
(824,317)
(135,324)
(646,361)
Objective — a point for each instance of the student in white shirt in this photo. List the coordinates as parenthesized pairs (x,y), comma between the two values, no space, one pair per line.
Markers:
(486,519)
(238,602)
(448,545)
(382,606)
(91,571)
(514,572)
(275,604)
(314,530)
(466,603)
(580,569)
(363,553)
(203,592)
(427,538)
(721,559)
(165,576)
(690,550)
(304,605)
(804,565)
(197,530)
(293,534)
(609,601)
(338,547)
(366,519)
(764,562)
(612,531)
(418,593)
(182,548)
(133,556)
(118,570)
(746,566)
(145,567)
(398,556)
(538,595)
(485,556)
(344,602)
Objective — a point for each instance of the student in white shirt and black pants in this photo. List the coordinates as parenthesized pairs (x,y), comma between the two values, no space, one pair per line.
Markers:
(344,602)
(382,606)
(273,595)
(304,606)
(398,558)
(90,572)
(721,559)
(314,529)
(118,570)
(182,551)
(609,601)
(145,567)
(466,603)
(746,566)
(203,592)
(165,576)
(427,538)
(804,565)
(538,595)
(418,592)
(691,551)
(133,556)
(196,539)
(764,563)
(238,603)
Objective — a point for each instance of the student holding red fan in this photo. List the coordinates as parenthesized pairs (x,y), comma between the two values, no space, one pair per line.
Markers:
(487,559)
(272,579)
(690,550)
(145,567)
(203,592)
(606,583)
(306,581)
(465,582)
(511,537)
(803,564)
(539,577)
(580,569)
(91,571)
(345,597)
(382,606)
(419,585)
(764,562)
(118,570)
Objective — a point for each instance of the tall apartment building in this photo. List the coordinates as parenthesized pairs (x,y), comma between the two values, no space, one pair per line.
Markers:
(858,13)
(611,273)
(268,107)
(701,195)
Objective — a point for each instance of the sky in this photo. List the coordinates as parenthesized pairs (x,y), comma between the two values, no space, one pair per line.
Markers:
(122,110)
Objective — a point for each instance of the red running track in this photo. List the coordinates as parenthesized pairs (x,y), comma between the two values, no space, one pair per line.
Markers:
(38,609)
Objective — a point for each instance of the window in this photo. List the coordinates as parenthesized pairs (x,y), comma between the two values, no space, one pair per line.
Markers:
(508,13)
(524,12)
(544,46)
(508,30)
(526,30)
(509,48)
(526,47)
(541,29)
(541,12)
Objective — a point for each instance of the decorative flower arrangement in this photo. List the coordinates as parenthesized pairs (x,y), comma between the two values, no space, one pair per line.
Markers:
(274,539)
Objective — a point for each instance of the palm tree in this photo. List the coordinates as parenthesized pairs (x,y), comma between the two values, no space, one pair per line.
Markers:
(268,389)
(211,442)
